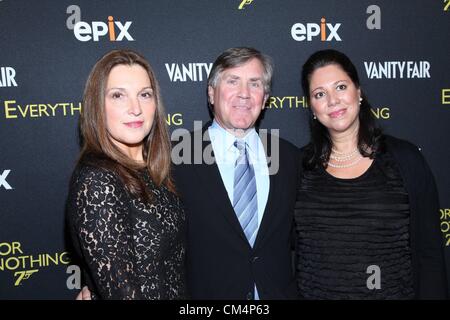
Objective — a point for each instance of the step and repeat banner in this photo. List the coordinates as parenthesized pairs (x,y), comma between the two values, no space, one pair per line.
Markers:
(47,48)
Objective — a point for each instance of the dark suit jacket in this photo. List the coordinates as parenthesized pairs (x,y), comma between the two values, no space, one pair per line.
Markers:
(220,262)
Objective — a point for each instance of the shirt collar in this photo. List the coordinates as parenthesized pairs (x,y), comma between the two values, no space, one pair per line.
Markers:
(222,137)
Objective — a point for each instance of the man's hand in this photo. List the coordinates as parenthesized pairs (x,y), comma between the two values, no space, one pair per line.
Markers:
(84,294)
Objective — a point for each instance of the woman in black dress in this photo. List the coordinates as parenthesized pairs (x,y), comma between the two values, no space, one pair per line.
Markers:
(125,220)
(367,210)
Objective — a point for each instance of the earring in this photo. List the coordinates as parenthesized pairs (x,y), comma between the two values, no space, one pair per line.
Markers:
(360,100)
(314,117)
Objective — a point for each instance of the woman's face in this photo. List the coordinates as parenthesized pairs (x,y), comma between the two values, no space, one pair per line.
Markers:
(334,99)
(129,106)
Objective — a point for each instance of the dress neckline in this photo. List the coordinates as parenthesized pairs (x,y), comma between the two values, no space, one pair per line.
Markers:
(361,176)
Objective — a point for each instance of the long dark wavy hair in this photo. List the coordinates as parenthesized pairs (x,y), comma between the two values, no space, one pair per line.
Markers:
(98,149)
(317,152)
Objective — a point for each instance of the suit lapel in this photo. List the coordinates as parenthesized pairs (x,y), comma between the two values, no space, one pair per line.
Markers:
(212,183)
(270,209)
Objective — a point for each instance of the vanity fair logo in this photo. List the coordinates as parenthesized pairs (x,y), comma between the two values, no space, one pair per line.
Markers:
(7,77)
(398,69)
(184,72)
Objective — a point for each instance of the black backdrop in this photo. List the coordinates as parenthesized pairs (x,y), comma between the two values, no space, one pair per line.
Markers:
(43,68)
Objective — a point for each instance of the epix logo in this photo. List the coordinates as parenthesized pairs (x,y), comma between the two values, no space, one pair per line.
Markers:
(114,30)
(326,31)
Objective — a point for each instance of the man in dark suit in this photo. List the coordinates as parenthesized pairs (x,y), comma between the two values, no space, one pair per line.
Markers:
(238,188)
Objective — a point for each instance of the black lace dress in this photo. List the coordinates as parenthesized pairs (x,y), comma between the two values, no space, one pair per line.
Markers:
(129,249)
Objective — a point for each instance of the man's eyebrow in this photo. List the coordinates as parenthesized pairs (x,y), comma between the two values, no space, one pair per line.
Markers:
(232,76)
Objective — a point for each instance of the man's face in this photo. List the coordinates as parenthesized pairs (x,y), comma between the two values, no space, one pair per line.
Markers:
(239,97)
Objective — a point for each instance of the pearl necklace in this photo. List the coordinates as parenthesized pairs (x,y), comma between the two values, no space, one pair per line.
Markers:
(343,154)
(351,164)
(344,157)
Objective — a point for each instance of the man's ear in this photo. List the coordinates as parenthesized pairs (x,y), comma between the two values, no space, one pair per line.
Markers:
(211,94)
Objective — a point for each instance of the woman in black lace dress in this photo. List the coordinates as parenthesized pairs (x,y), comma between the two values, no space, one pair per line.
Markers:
(125,220)
(367,210)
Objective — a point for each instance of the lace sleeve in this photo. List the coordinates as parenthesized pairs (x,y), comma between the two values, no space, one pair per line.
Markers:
(99,215)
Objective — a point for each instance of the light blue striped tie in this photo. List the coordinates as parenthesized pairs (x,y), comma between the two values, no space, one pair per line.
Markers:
(245,202)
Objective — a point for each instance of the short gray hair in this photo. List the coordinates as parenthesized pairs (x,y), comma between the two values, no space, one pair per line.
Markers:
(234,57)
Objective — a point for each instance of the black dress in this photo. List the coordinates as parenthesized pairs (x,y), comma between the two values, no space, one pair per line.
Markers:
(129,249)
(347,226)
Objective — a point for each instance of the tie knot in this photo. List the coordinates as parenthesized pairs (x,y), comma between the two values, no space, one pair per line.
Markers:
(240,145)
(242,158)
